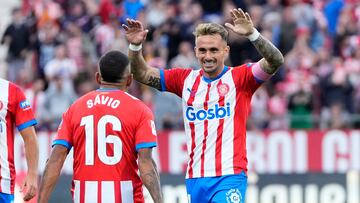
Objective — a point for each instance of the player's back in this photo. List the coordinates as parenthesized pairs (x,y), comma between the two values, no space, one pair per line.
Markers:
(105,128)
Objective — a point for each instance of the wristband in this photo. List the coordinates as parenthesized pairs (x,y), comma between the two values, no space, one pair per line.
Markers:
(134,47)
(254,36)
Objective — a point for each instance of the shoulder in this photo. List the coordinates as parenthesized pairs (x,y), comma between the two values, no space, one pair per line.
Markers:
(131,97)
(179,71)
(12,86)
(181,74)
(15,91)
(243,67)
(79,102)
(136,104)
(135,101)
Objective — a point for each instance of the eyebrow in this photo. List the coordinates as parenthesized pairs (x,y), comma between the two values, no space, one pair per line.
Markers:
(211,48)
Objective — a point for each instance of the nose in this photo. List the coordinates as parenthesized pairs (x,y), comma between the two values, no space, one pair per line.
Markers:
(208,55)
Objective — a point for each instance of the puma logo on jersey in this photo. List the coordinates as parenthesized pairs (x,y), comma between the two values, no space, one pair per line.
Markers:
(192,93)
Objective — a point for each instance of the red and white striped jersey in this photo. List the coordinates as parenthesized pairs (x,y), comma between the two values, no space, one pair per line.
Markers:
(215,113)
(15,110)
(107,127)
(107,191)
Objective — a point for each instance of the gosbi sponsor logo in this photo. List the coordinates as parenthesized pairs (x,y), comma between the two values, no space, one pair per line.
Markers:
(215,112)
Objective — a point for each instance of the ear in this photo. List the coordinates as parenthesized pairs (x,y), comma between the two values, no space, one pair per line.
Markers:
(129,80)
(98,78)
(195,51)
(227,49)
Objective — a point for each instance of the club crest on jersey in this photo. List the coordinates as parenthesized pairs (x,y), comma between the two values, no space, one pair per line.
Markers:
(1,105)
(24,104)
(233,196)
(223,89)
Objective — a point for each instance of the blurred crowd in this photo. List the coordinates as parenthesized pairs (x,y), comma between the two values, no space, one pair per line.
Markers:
(54,46)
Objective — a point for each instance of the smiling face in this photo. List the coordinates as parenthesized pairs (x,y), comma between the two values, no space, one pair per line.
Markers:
(211,51)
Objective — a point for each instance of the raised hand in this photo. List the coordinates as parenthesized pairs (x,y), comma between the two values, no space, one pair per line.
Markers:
(242,23)
(135,32)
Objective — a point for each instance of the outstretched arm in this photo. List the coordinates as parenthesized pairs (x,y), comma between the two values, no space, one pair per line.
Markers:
(272,57)
(30,185)
(52,172)
(142,71)
(136,34)
(149,174)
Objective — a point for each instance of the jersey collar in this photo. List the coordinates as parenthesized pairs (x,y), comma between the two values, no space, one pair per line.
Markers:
(107,89)
(209,80)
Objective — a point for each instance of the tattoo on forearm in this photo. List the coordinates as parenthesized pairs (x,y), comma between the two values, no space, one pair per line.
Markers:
(138,65)
(271,54)
(154,82)
(142,72)
(151,181)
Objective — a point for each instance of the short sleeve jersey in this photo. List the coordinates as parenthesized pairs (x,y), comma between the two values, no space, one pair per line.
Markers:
(106,128)
(215,113)
(15,111)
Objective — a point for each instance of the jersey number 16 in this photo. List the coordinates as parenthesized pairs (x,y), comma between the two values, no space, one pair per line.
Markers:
(102,139)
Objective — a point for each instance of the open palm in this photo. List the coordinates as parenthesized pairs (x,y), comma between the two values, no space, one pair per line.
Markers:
(135,32)
(242,23)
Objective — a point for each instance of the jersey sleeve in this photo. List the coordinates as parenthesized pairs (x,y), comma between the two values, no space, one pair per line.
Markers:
(64,133)
(24,115)
(250,76)
(173,80)
(145,136)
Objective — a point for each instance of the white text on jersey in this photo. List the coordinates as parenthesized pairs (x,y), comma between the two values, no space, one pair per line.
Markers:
(216,112)
(103,100)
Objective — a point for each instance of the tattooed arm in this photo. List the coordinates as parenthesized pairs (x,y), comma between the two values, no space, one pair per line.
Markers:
(142,71)
(149,174)
(242,25)
(272,57)
(136,34)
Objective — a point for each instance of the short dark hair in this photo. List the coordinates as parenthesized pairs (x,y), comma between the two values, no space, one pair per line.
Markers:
(112,66)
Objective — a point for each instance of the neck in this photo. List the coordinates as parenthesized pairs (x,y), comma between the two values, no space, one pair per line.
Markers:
(214,74)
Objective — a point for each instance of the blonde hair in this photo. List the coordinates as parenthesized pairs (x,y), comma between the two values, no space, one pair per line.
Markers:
(211,29)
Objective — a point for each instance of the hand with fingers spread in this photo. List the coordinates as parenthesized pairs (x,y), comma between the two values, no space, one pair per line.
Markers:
(242,23)
(29,187)
(135,32)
